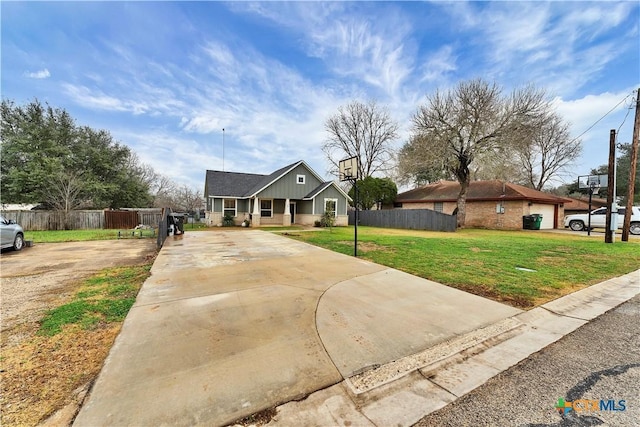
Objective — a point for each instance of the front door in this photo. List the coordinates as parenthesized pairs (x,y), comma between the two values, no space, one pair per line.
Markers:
(292,211)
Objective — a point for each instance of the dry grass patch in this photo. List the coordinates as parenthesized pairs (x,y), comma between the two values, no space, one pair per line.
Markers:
(371,246)
(40,373)
(45,361)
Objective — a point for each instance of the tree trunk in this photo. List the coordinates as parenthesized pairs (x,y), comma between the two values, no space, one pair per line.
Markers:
(462,202)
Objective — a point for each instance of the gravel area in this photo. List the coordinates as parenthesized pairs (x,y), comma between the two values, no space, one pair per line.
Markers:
(44,276)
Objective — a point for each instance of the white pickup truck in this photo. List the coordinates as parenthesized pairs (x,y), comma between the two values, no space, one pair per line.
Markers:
(579,222)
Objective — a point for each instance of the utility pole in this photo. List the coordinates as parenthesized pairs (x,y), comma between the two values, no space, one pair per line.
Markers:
(222,149)
(632,171)
(611,186)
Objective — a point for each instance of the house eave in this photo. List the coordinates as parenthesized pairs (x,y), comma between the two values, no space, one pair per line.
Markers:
(488,199)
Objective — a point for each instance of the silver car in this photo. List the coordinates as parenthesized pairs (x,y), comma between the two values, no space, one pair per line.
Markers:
(11,234)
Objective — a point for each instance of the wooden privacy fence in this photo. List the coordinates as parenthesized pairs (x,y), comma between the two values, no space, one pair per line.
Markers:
(120,219)
(82,220)
(412,219)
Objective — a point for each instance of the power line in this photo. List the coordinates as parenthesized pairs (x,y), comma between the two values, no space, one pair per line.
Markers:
(625,119)
(606,114)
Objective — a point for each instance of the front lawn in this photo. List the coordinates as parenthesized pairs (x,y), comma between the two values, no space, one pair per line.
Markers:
(495,264)
(68,346)
(57,236)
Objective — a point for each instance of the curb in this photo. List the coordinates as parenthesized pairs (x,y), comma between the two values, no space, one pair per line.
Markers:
(403,391)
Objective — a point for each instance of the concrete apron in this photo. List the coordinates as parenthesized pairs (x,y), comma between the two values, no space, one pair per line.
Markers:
(233,322)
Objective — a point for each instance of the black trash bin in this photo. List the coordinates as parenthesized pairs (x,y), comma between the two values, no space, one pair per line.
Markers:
(528,222)
(177,220)
(531,222)
(537,220)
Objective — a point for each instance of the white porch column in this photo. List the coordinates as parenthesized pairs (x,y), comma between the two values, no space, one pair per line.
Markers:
(286,219)
(255,217)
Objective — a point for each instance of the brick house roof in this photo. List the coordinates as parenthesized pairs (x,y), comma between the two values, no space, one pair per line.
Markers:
(494,190)
(582,204)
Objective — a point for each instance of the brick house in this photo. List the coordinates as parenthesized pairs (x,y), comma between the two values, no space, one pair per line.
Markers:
(491,204)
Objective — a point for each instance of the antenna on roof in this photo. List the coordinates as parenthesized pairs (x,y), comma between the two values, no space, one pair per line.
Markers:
(222,149)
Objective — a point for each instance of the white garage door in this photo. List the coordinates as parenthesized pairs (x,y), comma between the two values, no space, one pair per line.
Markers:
(547,212)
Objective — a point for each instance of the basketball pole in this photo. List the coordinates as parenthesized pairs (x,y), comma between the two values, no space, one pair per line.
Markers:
(592,187)
(345,168)
(355,230)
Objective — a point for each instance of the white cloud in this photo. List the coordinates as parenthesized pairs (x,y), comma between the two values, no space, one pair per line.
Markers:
(592,117)
(563,46)
(439,64)
(42,74)
(97,100)
(350,40)
(585,111)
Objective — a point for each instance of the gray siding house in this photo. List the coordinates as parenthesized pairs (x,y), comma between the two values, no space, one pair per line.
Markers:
(294,194)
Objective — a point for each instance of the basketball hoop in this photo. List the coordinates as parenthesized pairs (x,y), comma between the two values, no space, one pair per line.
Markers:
(593,183)
(348,169)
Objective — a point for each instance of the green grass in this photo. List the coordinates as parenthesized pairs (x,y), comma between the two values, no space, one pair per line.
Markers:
(486,262)
(103,298)
(196,226)
(56,236)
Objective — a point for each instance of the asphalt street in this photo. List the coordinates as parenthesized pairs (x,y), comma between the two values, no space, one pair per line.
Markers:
(598,362)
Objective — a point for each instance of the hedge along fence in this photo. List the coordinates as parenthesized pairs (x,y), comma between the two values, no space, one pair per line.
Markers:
(412,219)
(80,220)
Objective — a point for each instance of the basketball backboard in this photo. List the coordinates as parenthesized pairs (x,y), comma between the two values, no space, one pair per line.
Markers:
(348,169)
(592,181)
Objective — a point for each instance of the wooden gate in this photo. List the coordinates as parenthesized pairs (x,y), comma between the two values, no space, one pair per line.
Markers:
(120,219)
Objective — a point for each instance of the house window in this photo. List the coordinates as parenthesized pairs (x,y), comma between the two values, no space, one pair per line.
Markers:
(266,208)
(230,207)
(437,206)
(500,208)
(331,206)
(300,179)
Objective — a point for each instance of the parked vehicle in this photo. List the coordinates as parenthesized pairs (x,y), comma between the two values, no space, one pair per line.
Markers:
(579,222)
(11,234)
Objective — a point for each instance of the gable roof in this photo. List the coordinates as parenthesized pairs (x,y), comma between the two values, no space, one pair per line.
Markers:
(247,185)
(274,176)
(493,190)
(582,203)
(231,184)
(319,189)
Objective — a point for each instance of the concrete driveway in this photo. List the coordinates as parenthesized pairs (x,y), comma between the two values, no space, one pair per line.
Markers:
(233,322)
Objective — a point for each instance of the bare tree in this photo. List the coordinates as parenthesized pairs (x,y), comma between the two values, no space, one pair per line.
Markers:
(414,167)
(547,150)
(474,119)
(188,199)
(365,131)
(163,190)
(499,165)
(66,193)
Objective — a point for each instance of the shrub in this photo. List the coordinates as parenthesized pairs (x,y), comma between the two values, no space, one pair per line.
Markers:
(227,221)
(327,220)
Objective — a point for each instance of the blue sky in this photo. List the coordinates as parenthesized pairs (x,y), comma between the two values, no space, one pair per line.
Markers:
(166,77)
